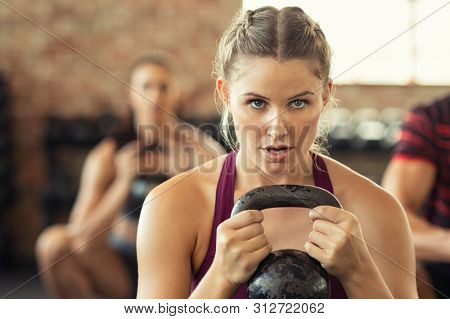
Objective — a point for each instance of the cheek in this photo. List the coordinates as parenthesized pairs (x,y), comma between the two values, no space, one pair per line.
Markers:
(139,95)
(303,127)
(135,99)
(248,127)
(309,116)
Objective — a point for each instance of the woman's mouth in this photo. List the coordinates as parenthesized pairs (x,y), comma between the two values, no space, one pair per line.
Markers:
(277,153)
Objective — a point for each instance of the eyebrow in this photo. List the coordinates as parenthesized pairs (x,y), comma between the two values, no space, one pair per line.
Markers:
(292,97)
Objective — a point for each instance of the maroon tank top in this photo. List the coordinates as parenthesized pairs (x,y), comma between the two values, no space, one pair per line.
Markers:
(224,205)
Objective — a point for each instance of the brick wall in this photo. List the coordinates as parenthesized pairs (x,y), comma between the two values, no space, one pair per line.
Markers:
(49,78)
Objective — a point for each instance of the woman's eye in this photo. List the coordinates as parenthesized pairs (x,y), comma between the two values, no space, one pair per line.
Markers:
(298,104)
(256,104)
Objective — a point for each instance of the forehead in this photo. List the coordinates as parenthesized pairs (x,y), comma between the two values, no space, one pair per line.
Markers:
(148,72)
(272,76)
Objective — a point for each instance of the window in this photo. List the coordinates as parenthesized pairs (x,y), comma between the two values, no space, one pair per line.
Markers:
(372,44)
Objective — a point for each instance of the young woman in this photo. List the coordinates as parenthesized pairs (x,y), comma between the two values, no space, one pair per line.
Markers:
(273,78)
(95,253)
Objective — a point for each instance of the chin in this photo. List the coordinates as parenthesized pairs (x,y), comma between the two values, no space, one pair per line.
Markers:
(274,168)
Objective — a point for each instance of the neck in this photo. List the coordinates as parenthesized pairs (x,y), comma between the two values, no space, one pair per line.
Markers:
(250,175)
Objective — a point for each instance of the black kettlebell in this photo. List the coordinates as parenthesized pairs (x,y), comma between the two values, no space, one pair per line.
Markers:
(287,273)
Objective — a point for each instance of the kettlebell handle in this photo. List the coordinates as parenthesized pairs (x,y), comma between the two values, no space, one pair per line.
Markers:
(284,196)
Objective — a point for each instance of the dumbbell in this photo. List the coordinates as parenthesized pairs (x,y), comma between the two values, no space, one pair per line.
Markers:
(5,143)
(369,130)
(59,192)
(108,125)
(287,273)
(55,131)
(342,129)
(393,119)
(82,132)
(4,93)
(6,194)
(5,169)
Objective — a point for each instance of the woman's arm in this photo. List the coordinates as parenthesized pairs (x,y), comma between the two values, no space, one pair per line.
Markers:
(411,181)
(336,241)
(96,175)
(367,246)
(102,192)
(166,240)
(389,240)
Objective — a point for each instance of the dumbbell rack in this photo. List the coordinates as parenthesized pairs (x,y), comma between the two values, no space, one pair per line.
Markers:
(67,142)
(364,138)
(6,167)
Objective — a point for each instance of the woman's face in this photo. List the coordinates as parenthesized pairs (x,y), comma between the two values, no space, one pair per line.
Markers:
(153,96)
(276,108)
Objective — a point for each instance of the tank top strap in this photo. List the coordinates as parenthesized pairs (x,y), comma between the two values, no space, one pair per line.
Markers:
(222,210)
(320,171)
(322,180)
(224,194)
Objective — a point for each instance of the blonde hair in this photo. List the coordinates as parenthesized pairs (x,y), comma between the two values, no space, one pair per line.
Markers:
(283,34)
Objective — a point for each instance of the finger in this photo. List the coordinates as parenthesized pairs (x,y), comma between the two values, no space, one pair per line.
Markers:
(129,146)
(315,252)
(320,240)
(261,253)
(327,228)
(255,243)
(133,151)
(133,155)
(245,218)
(249,231)
(332,214)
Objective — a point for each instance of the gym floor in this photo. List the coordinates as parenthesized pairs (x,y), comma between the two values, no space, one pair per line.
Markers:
(12,279)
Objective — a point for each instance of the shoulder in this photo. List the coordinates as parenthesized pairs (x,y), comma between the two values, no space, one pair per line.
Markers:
(437,110)
(188,189)
(99,163)
(103,151)
(369,202)
(384,226)
(422,118)
(183,203)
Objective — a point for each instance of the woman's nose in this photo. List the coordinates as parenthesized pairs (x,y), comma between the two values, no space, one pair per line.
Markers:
(154,95)
(276,126)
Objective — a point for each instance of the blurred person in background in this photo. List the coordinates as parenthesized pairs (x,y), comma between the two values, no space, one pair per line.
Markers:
(419,176)
(94,254)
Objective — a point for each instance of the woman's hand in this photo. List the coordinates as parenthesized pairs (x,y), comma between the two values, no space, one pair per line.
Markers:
(240,246)
(336,241)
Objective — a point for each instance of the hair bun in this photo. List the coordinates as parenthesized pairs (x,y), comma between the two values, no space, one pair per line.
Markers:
(248,20)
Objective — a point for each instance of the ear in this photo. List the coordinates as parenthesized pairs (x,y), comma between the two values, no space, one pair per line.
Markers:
(327,92)
(222,89)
